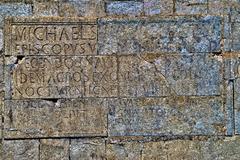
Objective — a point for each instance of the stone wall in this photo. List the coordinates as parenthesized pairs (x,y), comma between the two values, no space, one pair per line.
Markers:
(119,80)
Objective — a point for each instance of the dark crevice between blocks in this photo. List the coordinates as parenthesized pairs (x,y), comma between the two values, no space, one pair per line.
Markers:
(53,100)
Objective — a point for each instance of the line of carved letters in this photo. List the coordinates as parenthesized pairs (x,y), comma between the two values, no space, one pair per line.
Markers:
(81,76)
(54,40)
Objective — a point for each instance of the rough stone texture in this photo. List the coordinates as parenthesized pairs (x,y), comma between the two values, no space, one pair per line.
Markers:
(64,118)
(124,151)
(87,149)
(189,150)
(45,9)
(82,8)
(230,107)
(217,6)
(155,7)
(204,149)
(167,116)
(50,36)
(235,37)
(172,34)
(1,39)
(171,75)
(120,79)
(191,6)
(21,150)
(124,8)
(51,149)
(1,151)
(237,105)
(17,9)
(232,9)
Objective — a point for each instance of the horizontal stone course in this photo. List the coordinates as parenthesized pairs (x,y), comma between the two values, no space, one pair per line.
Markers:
(150,75)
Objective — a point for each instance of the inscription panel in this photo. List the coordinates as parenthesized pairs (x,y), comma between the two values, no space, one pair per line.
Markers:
(64,77)
(160,75)
(167,116)
(111,76)
(173,34)
(63,118)
(51,37)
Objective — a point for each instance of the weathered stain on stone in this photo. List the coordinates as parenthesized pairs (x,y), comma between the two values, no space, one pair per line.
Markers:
(21,150)
(237,105)
(87,149)
(169,75)
(124,8)
(82,8)
(63,118)
(178,149)
(156,7)
(191,6)
(124,151)
(51,36)
(17,9)
(1,39)
(54,149)
(45,9)
(212,148)
(166,34)
(167,116)
(230,107)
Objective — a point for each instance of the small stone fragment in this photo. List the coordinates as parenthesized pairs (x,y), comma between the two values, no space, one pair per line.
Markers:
(45,9)
(54,149)
(21,150)
(155,7)
(61,118)
(124,8)
(87,149)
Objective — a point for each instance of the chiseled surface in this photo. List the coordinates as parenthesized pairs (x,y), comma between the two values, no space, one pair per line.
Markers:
(64,118)
(87,149)
(165,34)
(167,116)
(119,80)
(21,150)
(54,149)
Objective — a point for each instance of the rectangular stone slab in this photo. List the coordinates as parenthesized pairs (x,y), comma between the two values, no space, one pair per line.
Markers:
(148,75)
(232,74)
(54,149)
(151,75)
(167,116)
(176,34)
(63,118)
(196,149)
(61,77)
(50,36)
(87,149)
(21,149)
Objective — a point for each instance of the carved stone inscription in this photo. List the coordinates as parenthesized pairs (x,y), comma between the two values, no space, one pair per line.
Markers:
(153,35)
(65,77)
(167,116)
(52,38)
(42,118)
(160,75)
(111,76)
